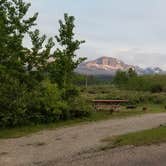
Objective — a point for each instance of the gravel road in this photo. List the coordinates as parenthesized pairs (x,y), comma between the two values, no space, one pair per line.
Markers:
(64,145)
(154,155)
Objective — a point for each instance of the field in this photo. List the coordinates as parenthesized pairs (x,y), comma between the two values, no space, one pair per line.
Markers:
(134,96)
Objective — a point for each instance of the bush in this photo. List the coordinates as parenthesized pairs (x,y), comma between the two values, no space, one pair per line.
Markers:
(13,102)
(45,104)
(18,106)
(70,92)
(134,97)
(80,108)
(156,88)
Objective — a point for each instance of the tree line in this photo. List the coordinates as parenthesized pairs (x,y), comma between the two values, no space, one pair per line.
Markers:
(130,80)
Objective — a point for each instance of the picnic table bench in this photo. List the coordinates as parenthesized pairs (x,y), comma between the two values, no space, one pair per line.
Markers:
(111,105)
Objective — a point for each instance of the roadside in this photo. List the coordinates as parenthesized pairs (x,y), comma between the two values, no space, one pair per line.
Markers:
(139,138)
(96,116)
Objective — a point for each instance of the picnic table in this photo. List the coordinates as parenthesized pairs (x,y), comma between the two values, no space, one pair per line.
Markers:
(111,105)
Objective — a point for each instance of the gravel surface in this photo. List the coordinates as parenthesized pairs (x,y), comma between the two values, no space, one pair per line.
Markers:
(154,155)
(70,146)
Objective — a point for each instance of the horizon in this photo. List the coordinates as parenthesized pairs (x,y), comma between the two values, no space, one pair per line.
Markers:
(134,32)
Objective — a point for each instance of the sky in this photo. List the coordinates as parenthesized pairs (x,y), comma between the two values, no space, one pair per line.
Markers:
(131,30)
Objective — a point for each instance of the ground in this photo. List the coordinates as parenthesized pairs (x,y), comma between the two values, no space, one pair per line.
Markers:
(153,155)
(78,145)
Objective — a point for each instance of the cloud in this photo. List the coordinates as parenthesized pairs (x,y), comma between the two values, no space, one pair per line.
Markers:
(134,31)
(143,58)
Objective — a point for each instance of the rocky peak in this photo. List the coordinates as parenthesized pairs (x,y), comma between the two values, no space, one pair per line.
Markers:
(109,65)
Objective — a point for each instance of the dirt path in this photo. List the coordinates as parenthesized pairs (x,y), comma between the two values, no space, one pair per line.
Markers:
(56,145)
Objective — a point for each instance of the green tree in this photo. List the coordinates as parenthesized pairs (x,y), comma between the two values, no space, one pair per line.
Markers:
(38,56)
(66,60)
(22,63)
(120,78)
(13,27)
(26,96)
(132,73)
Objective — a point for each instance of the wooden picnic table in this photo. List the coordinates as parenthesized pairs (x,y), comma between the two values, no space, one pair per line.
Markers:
(112,105)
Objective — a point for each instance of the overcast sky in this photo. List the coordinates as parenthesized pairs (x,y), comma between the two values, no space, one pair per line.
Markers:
(132,30)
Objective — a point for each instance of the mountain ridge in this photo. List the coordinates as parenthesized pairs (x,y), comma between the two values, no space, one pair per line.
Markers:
(110,65)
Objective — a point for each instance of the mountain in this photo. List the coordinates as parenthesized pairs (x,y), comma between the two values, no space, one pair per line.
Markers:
(110,65)
(153,70)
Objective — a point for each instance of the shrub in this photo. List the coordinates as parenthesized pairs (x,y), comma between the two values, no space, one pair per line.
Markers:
(80,108)
(134,97)
(156,88)
(70,92)
(13,102)
(20,105)
(45,104)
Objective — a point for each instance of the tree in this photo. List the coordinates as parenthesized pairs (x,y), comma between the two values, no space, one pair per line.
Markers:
(132,73)
(38,56)
(120,78)
(21,62)
(27,95)
(17,78)
(13,27)
(65,57)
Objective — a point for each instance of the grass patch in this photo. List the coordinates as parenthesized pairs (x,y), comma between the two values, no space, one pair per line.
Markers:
(27,130)
(145,137)
(96,116)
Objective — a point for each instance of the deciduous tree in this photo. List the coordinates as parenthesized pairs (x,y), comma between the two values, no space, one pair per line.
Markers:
(66,60)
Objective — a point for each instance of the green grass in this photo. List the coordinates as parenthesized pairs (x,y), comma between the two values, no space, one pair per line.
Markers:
(27,130)
(145,137)
(96,116)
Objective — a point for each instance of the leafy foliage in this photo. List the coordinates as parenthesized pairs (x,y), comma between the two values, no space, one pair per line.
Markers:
(135,97)
(131,81)
(33,87)
(45,104)
(80,108)
(12,100)
(13,27)
(66,61)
